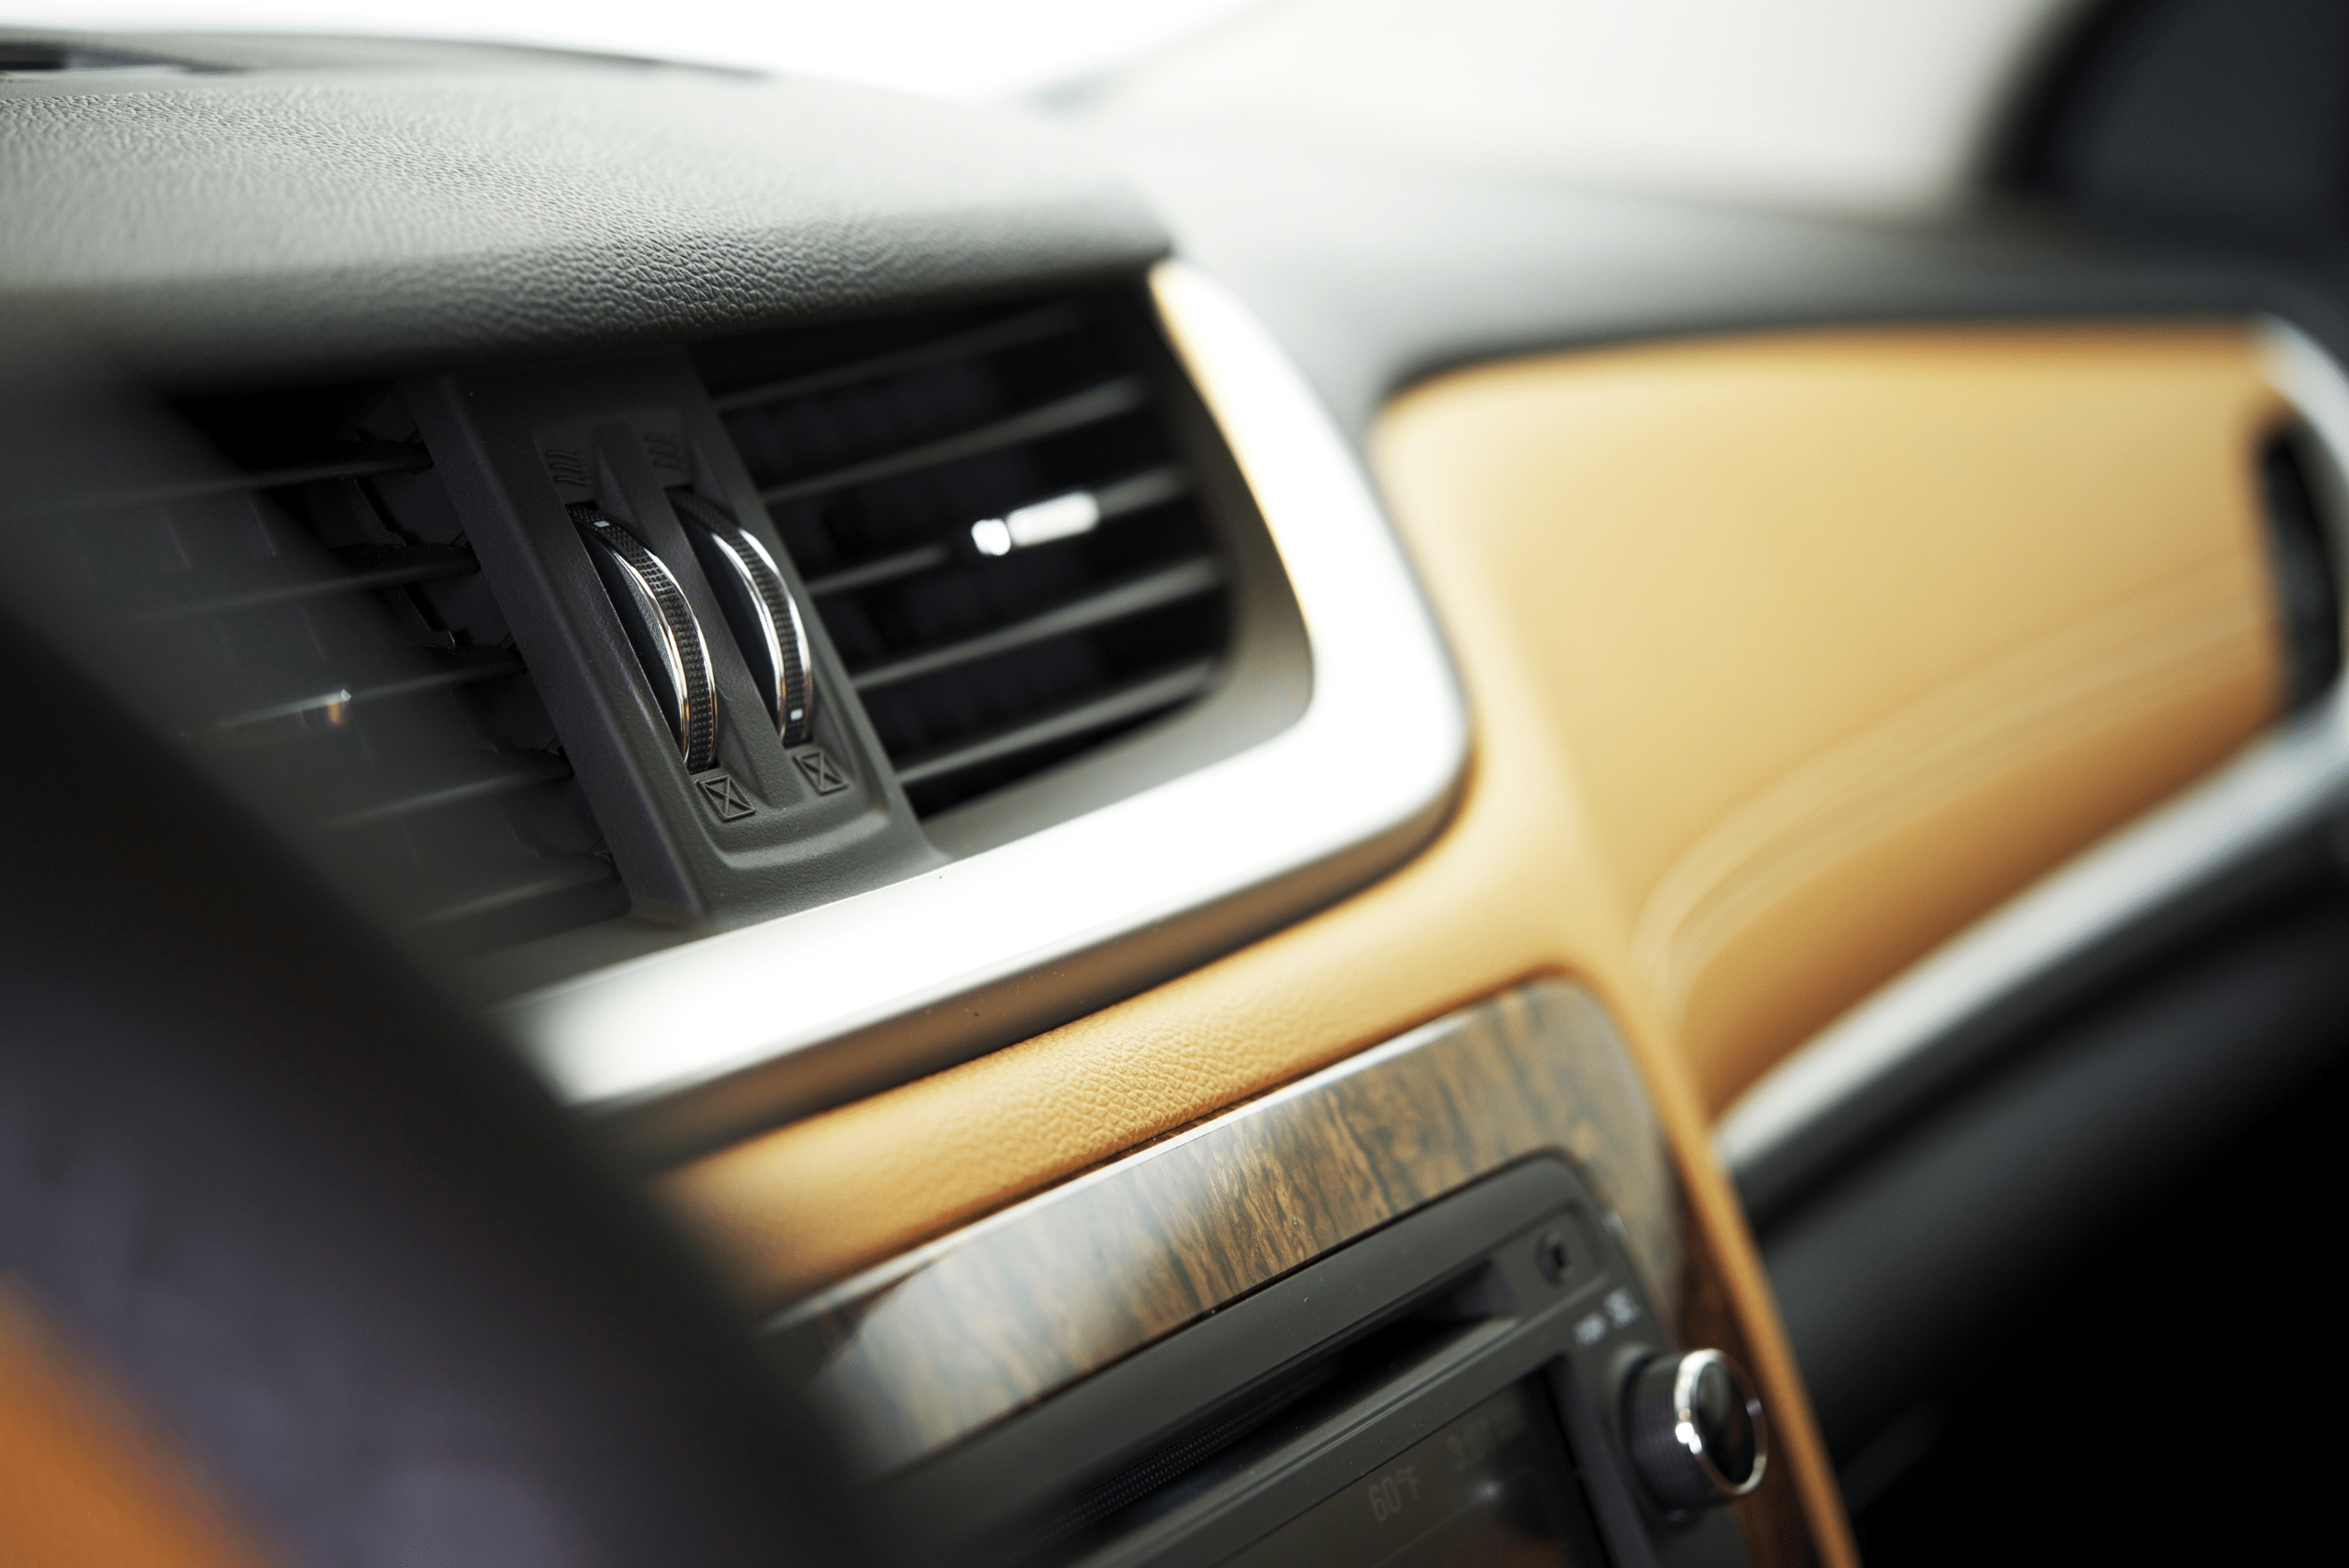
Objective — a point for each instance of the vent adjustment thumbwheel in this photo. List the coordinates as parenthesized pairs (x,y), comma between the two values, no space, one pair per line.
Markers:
(660,628)
(759,608)
(1695,1429)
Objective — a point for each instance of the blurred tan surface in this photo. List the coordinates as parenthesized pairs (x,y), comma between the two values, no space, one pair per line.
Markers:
(83,1483)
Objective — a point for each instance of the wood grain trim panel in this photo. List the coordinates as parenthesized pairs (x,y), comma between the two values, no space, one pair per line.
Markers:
(930,1348)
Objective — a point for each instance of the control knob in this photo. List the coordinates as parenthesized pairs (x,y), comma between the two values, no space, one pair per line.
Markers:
(661,627)
(1694,1428)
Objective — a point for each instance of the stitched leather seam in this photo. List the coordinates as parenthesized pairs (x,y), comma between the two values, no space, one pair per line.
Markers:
(2159,648)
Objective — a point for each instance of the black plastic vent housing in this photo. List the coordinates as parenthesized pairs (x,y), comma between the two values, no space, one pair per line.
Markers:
(319,631)
(1005,523)
(2307,579)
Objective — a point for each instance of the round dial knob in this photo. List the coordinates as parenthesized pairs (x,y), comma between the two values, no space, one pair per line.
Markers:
(1694,1431)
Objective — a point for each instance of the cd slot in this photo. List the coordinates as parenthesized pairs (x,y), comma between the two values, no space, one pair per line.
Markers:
(1317,1384)
(1367,1371)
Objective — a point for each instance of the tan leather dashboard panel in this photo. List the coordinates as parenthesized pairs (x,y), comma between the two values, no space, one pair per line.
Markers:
(1847,636)
(1786,656)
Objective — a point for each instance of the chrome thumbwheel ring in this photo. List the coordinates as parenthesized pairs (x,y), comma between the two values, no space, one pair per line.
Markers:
(759,608)
(660,628)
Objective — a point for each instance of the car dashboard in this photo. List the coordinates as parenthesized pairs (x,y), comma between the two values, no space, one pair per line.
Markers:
(873,831)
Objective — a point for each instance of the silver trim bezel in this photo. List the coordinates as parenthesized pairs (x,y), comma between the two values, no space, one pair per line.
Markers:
(1684,1422)
(776,692)
(2285,782)
(673,623)
(793,730)
(1377,752)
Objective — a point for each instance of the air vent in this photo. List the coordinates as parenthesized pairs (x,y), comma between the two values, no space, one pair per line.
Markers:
(996,528)
(2308,583)
(318,629)
(50,57)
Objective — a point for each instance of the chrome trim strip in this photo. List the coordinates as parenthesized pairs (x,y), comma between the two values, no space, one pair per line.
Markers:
(1380,746)
(2285,781)
(757,584)
(676,635)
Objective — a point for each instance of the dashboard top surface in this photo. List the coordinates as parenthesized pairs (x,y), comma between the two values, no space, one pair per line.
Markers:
(304,221)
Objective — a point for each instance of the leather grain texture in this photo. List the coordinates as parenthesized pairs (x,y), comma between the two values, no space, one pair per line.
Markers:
(1852,635)
(279,224)
(84,1482)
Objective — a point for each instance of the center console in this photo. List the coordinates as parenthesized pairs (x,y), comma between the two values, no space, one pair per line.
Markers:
(1431,1305)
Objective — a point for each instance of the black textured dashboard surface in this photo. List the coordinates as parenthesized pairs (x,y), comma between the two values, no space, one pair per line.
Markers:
(1378,265)
(275,224)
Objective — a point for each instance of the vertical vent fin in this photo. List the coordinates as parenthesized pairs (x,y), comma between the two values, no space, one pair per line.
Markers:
(994,527)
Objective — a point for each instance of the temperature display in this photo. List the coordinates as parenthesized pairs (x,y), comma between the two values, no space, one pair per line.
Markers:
(1490,1489)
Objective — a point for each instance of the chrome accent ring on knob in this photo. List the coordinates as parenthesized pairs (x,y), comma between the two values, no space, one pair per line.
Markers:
(661,627)
(1682,1421)
(765,619)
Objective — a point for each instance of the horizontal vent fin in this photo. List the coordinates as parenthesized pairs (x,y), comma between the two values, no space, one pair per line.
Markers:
(1090,407)
(1031,326)
(545,880)
(321,625)
(358,460)
(995,526)
(442,670)
(282,580)
(1113,709)
(873,574)
(476,779)
(1165,587)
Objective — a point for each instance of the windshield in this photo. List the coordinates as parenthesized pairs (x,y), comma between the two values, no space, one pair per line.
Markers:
(970,50)
(1852,105)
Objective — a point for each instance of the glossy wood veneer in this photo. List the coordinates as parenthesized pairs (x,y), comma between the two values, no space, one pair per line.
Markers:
(933,1346)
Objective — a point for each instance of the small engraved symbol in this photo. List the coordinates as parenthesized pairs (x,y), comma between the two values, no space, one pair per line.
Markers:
(822,773)
(1589,1331)
(1623,1306)
(567,468)
(665,451)
(726,796)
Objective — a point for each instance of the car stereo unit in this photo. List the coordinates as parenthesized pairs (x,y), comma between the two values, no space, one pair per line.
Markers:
(1485,1381)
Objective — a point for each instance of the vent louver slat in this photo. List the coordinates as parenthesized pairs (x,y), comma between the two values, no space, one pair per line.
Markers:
(1090,407)
(448,668)
(1168,585)
(249,587)
(1136,701)
(320,632)
(995,526)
